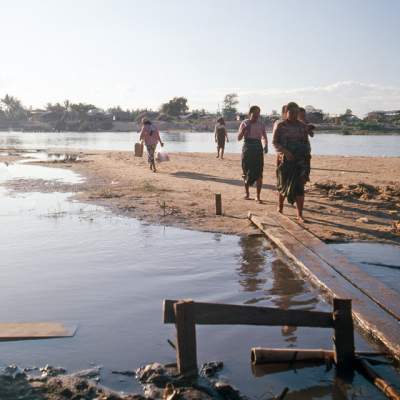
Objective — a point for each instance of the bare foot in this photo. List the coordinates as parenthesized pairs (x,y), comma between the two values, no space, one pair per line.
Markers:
(247,197)
(259,201)
(279,210)
(301,220)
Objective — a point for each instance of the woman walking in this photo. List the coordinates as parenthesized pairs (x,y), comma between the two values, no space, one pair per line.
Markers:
(220,137)
(150,136)
(290,140)
(252,130)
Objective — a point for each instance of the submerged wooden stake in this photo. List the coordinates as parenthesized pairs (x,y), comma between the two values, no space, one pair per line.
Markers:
(344,334)
(186,338)
(218,204)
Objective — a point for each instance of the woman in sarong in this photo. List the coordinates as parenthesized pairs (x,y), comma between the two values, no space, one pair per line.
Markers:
(252,130)
(221,137)
(290,140)
(150,136)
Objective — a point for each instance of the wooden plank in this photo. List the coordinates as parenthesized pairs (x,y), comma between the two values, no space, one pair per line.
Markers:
(386,297)
(10,331)
(343,338)
(186,348)
(232,314)
(368,315)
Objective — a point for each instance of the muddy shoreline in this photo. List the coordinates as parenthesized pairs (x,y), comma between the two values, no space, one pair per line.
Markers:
(348,198)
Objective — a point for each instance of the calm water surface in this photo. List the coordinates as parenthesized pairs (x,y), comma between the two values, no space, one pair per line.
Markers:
(322,143)
(66,261)
(382,261)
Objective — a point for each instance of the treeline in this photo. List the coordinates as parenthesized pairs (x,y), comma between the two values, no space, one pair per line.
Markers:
(176,113)
(71,116)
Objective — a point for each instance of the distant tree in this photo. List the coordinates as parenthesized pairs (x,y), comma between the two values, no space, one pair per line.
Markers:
(56,107)
(175,107)
(230,102)
(13,108)
(348,112)
(81,108)
(120,114)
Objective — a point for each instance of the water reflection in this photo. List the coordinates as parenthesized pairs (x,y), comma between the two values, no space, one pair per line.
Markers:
(273,281)
(252,263)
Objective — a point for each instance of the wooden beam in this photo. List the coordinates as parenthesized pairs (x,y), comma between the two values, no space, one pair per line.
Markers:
(230,314)
(369,316)
(186,350)
(34,330)
(384,296)
(344,333)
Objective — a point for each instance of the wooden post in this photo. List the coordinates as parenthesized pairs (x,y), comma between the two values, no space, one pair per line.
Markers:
(343,334)
(218,204)
(186,353)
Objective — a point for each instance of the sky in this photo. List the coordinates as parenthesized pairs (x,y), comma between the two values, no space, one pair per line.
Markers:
(332,54)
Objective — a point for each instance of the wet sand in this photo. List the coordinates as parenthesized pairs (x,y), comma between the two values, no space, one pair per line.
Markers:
(348,198)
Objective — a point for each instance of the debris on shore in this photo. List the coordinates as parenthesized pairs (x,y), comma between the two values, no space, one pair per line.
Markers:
(160,382)
(362,191)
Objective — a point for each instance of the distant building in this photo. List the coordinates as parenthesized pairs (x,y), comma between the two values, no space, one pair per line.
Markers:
(383,116)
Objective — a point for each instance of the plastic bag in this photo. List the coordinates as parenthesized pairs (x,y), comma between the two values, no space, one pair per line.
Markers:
(162,156)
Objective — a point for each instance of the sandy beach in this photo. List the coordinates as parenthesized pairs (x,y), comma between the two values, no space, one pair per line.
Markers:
(348,198)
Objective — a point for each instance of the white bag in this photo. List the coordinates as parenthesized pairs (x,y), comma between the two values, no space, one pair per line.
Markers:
(162,156)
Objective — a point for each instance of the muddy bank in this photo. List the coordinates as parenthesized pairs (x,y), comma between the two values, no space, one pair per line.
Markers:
(349,198)
(158,381)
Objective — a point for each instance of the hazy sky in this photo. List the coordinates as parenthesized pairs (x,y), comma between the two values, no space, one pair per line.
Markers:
(332,54)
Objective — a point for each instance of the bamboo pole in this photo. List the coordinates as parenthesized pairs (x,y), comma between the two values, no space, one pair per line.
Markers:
(261,355)
(385,387)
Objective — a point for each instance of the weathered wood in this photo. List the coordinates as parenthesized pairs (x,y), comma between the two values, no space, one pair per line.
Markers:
(384,296)
(368,315)
(34,330)
(218,204)
(266,355)
(344,333)
(186,338)
(232,314)
(377,380)
(260,355)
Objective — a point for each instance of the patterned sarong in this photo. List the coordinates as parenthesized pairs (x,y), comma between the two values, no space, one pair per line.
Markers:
(151,148)
(252,160)
(293,175)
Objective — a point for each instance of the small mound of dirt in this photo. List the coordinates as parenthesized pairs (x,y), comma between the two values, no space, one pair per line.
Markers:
(362,191)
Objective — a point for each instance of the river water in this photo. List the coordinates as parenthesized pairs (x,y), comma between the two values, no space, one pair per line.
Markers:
(66,261)
(322,143)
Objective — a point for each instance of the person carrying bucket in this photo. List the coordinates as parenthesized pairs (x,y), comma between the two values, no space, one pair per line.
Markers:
(150,136)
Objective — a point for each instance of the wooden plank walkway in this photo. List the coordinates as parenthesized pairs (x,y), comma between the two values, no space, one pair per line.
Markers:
(12,331)
(376,308)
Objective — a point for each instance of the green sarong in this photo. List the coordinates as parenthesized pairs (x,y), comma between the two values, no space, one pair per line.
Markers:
(292,175)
